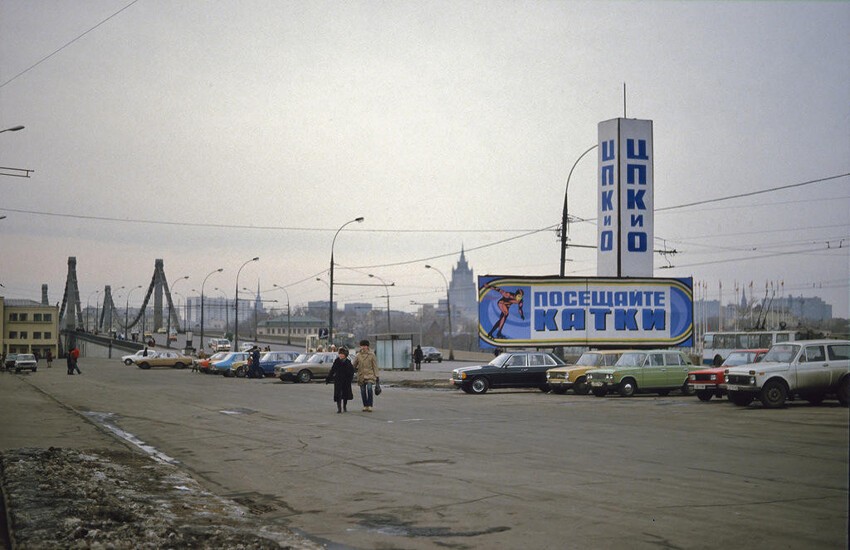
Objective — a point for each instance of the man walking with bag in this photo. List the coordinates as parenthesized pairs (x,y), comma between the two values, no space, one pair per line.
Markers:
(367,374)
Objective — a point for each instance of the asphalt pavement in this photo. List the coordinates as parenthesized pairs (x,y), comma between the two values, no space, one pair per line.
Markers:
(434,468)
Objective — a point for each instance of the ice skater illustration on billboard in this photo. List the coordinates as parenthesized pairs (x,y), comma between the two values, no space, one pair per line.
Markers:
(504,304)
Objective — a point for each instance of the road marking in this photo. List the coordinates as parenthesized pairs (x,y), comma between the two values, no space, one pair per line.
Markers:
(104,420)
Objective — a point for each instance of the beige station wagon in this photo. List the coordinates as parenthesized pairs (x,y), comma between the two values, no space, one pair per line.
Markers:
(171,359)
(561,379)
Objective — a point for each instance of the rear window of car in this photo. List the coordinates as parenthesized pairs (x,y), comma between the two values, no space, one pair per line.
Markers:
(839,352)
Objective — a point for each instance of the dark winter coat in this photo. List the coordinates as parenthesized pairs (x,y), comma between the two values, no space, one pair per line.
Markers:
(342,374)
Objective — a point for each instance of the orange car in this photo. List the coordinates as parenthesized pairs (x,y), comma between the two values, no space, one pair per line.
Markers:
(709,382)
(204,364)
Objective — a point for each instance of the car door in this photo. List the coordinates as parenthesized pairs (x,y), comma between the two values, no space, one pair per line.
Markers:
(676,370)
(538,364)
(813,368)
(652,373)
(838,356)
(513,372)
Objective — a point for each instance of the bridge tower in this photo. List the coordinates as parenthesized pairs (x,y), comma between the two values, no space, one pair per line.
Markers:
(108,308)
(71,299)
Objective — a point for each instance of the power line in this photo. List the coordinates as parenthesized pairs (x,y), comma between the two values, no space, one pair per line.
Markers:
(43,59)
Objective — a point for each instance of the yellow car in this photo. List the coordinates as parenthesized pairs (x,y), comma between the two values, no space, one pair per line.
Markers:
(561,379)
(171,359)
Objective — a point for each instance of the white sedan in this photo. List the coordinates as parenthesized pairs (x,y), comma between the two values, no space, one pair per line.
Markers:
(128,359)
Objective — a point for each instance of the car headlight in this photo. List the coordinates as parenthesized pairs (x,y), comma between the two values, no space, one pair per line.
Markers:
(714,377)
(726,378)
(548,376)
(463,376)
(692,377)
(753,380)
(609,376)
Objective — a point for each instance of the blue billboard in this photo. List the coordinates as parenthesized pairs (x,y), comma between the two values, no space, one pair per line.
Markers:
(518,311)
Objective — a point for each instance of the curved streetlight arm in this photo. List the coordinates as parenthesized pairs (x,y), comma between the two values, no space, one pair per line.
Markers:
(449,311)
(331,285)
(564,217)
(288,315)
(236,308)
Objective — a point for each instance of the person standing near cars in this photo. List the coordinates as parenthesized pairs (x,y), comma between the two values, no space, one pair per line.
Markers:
(417,357)
(256,369)
(341,374)
(367,374)
(49,359)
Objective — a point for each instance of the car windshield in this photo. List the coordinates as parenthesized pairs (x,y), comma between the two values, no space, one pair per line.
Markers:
(500,359)
(26,357)
(217,356)
(302,358)
(737,358)
(631,360)
(589,360)
(781,353)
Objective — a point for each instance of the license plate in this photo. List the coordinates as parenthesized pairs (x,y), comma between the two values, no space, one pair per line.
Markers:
(596,383)
(700,386)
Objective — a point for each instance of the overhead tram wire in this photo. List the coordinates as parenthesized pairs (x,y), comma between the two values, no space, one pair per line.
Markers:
(45,58)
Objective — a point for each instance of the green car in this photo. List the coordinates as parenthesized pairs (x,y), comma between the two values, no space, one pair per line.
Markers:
(652,371)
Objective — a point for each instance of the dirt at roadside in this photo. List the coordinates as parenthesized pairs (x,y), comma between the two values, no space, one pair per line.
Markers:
(71,498)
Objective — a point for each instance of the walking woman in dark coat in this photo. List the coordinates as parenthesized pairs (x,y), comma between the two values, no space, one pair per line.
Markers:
(342,374)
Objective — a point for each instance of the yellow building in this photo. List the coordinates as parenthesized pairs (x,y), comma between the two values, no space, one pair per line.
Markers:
(27,326)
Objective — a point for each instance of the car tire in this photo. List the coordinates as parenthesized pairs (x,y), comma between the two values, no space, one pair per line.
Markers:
(773,394)
(581,387)
(843,391)
(705,395)
(440,360)
(600,392)
(740,398)
(627,387)
(128,362)
(179,366)
(144,366)
(305,376)
(240,372)
(663,393)
(560,390)
(35,369)
(479,386)
(17,371)
(687,390)
(544,388)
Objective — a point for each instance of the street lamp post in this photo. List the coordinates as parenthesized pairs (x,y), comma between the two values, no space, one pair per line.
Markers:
(564,216)
(127,311)
(331,286)
(219,270)
(387,289)
(226,309)
(288,317)
(236,320)
(449,311)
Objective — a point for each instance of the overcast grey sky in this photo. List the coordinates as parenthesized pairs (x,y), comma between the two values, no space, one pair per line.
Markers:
(444,124)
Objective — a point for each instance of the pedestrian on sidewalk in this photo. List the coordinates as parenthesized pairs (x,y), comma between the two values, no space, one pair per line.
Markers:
(417,357)
(75,356)
(341,374)
(367,374)
(49,359)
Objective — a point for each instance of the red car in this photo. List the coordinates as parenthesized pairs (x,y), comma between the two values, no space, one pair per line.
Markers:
(709,382)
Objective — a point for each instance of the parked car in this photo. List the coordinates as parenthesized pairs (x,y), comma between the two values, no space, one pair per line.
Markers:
(171,359)
(708,383)
(809,369)
(25,361)
(659,371)
(247,346)
(205,365)
(9,362)
(318,365)
(130,359)
(222,366)
(302,358)
(513,369)
(219,344)
(561,379)
(270,359)
(430,353)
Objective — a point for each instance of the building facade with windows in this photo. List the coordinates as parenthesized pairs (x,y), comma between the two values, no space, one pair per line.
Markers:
(27,326)
(302,326)
(463,290)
